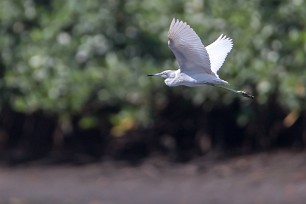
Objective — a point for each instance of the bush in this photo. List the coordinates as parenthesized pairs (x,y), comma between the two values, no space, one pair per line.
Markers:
(72,58)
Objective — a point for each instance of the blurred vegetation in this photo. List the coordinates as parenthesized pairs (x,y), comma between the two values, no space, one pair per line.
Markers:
(81,67)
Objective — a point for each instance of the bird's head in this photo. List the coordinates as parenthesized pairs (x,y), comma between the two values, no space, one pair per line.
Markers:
(165,74)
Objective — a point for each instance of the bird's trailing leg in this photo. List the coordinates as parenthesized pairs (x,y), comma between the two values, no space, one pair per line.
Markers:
(241,93)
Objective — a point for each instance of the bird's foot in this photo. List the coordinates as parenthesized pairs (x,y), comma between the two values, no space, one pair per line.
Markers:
(245,94)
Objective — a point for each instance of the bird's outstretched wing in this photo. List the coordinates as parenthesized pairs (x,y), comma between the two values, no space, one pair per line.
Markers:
(188,48)
(218,51)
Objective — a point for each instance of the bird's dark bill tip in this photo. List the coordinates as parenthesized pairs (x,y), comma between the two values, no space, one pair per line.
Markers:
(150,75)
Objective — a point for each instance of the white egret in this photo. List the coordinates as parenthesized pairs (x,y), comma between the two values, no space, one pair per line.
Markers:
(198,65)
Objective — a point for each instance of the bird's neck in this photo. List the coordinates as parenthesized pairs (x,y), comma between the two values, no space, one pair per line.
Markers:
(173,79)
(170,82)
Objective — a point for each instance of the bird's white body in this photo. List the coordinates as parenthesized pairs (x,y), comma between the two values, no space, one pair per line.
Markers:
(198,65)
(193,79)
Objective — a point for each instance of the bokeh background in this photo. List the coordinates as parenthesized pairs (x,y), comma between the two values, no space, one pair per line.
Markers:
(74,88)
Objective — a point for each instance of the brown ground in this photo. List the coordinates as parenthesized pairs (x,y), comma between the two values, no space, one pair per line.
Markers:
(263,178)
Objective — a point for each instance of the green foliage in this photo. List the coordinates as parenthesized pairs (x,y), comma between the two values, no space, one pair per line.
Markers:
(63,56)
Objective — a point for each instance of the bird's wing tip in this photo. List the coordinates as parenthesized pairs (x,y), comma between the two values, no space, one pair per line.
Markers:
(173,22)
(176,20)
(225,37)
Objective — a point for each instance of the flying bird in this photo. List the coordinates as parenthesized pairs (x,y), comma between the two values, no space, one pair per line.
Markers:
(198,65)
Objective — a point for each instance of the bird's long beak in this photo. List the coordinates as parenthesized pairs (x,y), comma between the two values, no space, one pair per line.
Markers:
(153,74)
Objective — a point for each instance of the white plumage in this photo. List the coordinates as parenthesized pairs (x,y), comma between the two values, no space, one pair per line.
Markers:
(218,51)
(198,65)
(188,48)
